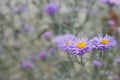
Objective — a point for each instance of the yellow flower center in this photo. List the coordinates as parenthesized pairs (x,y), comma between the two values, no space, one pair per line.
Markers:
(104,42)
(80,45)
(67,43)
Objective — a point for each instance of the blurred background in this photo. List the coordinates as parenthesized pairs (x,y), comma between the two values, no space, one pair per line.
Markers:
(27,31)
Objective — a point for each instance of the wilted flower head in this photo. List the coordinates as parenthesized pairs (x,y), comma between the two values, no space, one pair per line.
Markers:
(20,8)
(111,2)
(46,35)
(80,46)
(117,60)
(51,8)
(42,55)
(26,64)
(104,43)
(96,63)
(62,41)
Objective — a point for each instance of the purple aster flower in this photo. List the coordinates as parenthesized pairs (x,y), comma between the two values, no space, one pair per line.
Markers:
(111,2)
(20,8)
(62,41)
(96,63)
(46,35)
(26,64)
(51,8)
(80,46)
(117,60)
(103,43)
(42,55)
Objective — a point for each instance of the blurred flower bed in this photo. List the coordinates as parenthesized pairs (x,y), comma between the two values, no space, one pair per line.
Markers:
(59,40)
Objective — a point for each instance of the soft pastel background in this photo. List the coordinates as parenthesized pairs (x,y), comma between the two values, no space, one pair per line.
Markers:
(23,42)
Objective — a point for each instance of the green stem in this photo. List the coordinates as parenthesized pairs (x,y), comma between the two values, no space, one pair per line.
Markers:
(71,62)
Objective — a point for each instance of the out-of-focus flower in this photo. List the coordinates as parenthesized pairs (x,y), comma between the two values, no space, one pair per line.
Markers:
(51,50)
(103,43)
(111,2)
(26,64)
(67,21)
(42,55)
(26,28)
(111,22)
(96,63)
(118,30)
(117,60)
(62,41)
(92,13)
(20,8)
(31,58)
(116,77)
(56,40)
(46,35)
(80,46)
(16,46)
(51,8)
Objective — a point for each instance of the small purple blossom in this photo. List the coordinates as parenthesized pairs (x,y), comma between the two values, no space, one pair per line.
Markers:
(51,8)
(111,2)
(42,55)
(117,60)
(103,43)
(80,46)
(96,63)
(46,35)
(62,41)
(26,64)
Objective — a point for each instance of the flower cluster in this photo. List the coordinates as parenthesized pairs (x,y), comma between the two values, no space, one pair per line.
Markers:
(79,46)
